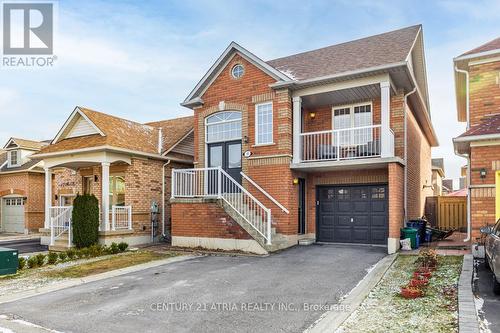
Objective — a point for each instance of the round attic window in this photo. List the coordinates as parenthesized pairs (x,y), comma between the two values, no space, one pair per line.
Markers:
(237,71)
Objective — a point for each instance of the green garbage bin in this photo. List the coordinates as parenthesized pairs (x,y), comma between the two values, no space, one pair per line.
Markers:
(8,261)
(410,233)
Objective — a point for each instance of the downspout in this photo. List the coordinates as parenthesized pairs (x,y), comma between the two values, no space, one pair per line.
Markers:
(467,110)
(163,198)
(405,194)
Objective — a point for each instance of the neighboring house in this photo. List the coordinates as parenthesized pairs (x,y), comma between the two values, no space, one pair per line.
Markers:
(126,165)
(447,186)
(437,175)
(21,187)
(309,146)
(477,88)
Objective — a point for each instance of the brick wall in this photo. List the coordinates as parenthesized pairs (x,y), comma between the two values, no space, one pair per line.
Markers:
(419,169)
(206,219)
(31,186)
(484,91)
(396,201)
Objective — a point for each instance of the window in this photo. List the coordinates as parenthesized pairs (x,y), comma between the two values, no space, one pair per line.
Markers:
(359,115)
(264,123)
(116,190)
(237,71)
(223,126)
(13,158)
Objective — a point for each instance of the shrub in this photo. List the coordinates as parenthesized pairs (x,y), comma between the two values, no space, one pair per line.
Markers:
(106,249)
(80,254)
(114,249)
(21,263)
(40,259)
(32,262)
(95,250)
(63,256)
(71,253)
(52,258)
(122,246)
(85,220)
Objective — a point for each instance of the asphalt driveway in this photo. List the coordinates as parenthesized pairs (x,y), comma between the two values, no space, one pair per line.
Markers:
(483,288)
(279,293)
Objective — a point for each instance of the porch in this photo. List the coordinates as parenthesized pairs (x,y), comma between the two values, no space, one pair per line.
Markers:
(343,124)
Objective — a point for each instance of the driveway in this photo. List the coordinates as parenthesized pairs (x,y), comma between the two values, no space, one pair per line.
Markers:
(28,245)
(208,294)
(491,303)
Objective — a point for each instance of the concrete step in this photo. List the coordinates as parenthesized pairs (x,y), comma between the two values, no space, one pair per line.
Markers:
(306,241)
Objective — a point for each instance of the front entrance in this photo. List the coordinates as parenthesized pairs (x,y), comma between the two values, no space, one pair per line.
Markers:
(226,155)
(352,214)
(13,214)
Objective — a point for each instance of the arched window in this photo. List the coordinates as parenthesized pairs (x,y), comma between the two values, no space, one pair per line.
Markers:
(223,126)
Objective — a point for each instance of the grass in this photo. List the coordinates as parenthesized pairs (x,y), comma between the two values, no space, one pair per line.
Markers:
(384,310)
(108,264)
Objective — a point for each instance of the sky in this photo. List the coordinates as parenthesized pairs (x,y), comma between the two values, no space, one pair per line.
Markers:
(140,59)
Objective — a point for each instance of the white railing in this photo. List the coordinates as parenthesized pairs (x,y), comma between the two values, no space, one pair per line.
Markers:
(60,223)
(342,144)
(216,183)
(121,217)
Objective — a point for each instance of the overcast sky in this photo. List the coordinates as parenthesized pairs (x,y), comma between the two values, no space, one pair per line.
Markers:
(139,59)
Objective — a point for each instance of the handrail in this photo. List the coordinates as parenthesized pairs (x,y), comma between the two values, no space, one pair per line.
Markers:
(340,130)
(270,197)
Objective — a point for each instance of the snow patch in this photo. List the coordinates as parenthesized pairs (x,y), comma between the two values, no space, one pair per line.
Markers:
(288,73)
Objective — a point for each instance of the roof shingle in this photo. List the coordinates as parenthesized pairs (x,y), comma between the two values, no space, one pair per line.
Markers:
(383,49)
(489,125)
(490,46)
(173,130)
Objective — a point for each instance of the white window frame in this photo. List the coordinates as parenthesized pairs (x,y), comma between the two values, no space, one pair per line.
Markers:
(18,158)
(223,122)
(351,114)
(257,143)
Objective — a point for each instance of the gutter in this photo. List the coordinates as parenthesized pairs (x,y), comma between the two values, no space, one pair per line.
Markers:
(405,101)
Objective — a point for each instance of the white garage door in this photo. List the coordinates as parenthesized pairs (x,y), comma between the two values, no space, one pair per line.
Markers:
(13,215)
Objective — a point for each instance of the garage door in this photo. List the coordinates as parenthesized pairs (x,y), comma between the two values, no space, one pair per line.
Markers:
(353,214)
(13,215)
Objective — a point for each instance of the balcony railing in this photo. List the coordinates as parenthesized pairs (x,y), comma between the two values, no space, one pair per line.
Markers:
(343,144)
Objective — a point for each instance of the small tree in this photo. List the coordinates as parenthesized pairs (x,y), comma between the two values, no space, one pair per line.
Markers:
(85,220)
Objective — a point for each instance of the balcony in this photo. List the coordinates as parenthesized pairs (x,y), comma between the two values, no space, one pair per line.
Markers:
(344,144)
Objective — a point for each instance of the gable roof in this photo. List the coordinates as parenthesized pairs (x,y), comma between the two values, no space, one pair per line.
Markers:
(112,131)
(173,131)
(194,96)
(25,144)
(374,51)
(120,133)
(493,45)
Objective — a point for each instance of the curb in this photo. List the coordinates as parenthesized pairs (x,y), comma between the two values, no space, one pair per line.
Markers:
(467,314)
(92,278)
(331,320)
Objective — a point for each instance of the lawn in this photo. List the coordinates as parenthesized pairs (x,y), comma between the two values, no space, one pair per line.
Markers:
(384,310)
(107,264)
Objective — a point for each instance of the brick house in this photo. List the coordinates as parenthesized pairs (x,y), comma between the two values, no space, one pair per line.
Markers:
(477,88)
(126,165)
(21,187)
(314,146)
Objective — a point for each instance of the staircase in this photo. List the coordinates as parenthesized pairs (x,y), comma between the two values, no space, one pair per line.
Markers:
(60,228)
(237,202)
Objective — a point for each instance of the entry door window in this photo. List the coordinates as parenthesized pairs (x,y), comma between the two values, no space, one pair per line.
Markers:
(223,126)
(87,184)
(215,155)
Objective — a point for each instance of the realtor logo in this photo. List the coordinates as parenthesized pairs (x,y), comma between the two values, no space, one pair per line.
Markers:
(28,33)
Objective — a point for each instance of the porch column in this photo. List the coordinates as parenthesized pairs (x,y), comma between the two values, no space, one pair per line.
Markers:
(385,101)
(48,197)
(296,128)
(105,195)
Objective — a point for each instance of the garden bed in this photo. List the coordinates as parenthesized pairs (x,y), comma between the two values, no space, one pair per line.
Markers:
(386,310)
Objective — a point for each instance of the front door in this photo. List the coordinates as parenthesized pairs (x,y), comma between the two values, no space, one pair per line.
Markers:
(226,155)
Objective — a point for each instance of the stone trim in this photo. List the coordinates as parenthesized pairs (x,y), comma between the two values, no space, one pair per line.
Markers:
(267,97)
(227,244)
(495,165)
(358,179)
(269,160)
(483,192)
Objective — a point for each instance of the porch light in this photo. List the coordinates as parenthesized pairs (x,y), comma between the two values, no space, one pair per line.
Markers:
(312,115)
(295,181)
(482,173)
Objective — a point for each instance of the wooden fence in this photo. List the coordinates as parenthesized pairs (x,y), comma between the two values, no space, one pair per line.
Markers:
(447,213)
